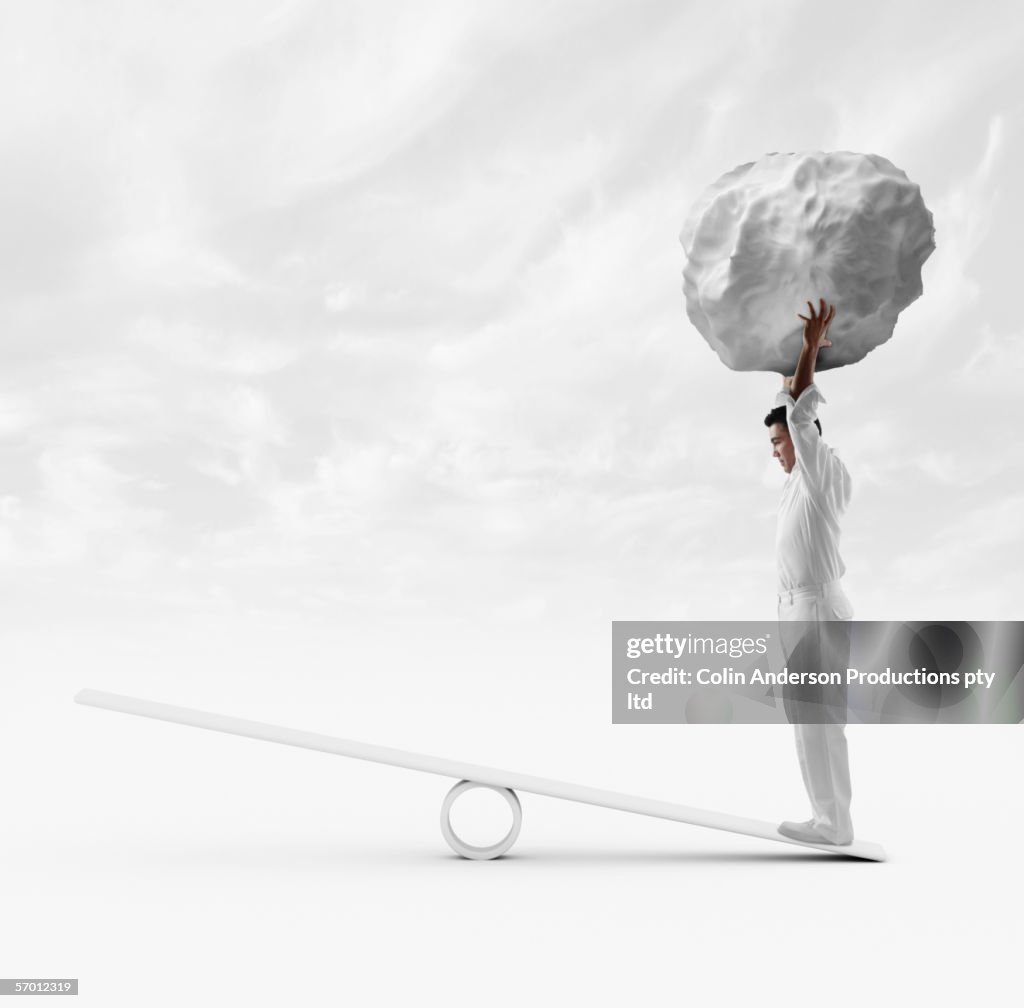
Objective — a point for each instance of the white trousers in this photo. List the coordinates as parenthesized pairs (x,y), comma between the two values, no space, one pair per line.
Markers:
(820,640)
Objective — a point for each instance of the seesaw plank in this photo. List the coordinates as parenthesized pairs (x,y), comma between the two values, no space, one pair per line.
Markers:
(464,771)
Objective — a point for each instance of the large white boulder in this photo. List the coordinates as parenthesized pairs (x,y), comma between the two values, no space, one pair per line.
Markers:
(770,235)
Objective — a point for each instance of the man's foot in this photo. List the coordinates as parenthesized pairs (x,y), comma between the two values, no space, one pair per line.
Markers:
(807,832)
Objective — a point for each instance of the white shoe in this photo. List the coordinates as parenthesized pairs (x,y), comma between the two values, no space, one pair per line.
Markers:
(807,832)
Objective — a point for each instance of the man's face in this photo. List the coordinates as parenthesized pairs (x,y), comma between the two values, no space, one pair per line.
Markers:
(782,446)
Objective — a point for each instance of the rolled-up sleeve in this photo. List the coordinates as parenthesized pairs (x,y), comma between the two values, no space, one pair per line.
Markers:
(812,453)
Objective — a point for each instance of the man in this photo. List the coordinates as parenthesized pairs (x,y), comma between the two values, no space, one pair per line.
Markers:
(814,612)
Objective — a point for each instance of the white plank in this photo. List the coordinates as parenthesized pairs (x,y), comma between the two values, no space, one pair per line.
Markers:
(465,771)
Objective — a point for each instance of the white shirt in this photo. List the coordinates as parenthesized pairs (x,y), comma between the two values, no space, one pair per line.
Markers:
(816,492)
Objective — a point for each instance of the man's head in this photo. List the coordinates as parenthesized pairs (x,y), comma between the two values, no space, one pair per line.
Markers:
(782,443)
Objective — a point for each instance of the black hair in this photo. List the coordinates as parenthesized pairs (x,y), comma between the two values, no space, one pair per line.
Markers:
(778,415)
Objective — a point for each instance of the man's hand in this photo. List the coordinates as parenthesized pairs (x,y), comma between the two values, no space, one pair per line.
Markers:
(815,329)
(816,326)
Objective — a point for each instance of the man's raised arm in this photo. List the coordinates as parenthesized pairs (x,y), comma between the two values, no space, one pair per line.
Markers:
(815,329)
(810,451)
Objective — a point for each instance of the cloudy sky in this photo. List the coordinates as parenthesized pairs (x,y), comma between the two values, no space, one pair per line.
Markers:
(338,312)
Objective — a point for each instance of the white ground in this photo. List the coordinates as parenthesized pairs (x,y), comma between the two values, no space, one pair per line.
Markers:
(221,870)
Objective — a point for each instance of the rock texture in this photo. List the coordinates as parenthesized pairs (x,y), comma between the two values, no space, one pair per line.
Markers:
(770,235)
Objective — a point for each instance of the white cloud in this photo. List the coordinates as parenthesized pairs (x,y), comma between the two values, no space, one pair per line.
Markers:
(382,302)
(241,353)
